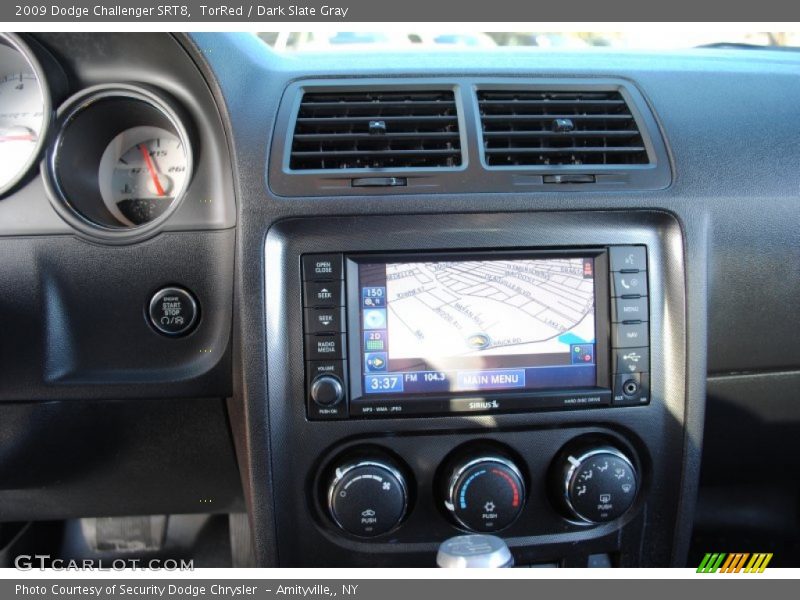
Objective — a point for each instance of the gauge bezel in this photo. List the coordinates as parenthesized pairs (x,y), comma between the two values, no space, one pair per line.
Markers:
(77,105)
(18,44)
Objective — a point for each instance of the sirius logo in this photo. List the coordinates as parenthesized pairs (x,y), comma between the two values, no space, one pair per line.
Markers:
(483,404)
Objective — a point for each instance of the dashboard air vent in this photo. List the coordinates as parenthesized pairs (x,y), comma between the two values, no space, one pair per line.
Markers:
(553,128)
(376,130)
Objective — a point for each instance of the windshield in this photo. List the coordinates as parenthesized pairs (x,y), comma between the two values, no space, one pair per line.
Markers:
(645,38)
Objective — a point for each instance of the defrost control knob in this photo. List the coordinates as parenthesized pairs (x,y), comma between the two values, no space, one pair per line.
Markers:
(367,498)
(595,484)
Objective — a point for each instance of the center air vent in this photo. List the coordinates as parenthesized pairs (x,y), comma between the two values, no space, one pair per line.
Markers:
(554,128)
(376,130)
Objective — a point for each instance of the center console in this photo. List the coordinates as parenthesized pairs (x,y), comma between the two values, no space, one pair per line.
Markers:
(519,374)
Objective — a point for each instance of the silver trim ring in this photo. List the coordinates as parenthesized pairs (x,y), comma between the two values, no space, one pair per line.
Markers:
(450,503)
(574,467)
(58,199)
(18,44)
(340,474)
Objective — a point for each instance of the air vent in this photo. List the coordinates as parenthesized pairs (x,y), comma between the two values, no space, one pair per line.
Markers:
(376,130)
(554,128)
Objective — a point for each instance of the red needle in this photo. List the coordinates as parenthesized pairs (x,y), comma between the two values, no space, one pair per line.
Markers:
(151,169)
(17,138)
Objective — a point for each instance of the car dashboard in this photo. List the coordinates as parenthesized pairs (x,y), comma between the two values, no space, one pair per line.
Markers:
(376,300)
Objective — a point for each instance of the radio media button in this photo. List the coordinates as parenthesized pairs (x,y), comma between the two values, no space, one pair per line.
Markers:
(323,293)
(629,309)
(629,284)
(627,258)
(325,347)
(324,320)
(629,335)
(322,267)
(631,360)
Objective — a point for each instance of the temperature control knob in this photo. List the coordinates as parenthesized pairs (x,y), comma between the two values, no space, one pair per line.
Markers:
(367,498)
(595,484)
(486,493)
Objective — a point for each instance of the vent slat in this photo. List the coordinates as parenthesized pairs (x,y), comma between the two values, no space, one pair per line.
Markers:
(376,153)
(376,130)
(566,149)
(552,128)
(416,104)
(554,102)
(546,117)
(433,135)
(556,134)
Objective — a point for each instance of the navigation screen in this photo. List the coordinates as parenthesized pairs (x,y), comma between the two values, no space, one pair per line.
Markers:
(477,325)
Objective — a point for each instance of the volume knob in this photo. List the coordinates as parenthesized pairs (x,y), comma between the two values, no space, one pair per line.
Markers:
(327,390)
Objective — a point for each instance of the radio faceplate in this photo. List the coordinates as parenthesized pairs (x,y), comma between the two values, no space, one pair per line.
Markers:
(496,331)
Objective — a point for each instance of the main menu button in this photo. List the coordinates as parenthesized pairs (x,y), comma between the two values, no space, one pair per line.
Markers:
(629,309)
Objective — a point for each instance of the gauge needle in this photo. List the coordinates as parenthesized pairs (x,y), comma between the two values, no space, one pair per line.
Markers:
(17,138)
(151,169)
(22,134)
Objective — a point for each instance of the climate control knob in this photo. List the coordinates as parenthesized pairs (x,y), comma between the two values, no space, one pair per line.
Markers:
(595,483)
(485,493)
(367,498)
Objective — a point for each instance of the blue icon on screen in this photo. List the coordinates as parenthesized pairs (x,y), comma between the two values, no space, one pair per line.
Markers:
(375,341)
(374,318)
(375,362)
(373,297)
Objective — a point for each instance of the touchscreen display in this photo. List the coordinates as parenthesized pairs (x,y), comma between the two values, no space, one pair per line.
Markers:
(477,325)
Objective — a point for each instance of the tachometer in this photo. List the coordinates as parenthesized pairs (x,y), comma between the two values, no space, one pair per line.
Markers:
(142,171)
(24,111)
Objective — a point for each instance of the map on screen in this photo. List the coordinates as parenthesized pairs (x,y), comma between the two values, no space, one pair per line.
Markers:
(489,308)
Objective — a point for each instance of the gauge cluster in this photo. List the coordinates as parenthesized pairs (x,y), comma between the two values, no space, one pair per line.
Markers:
(121,161)
(25,111)
(109,160)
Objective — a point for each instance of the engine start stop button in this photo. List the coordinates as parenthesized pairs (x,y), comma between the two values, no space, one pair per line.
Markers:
(173,311)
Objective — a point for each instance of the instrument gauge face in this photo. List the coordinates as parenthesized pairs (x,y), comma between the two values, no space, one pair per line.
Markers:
(24,112)
(142,172)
